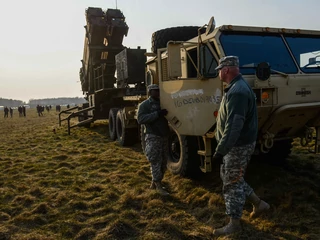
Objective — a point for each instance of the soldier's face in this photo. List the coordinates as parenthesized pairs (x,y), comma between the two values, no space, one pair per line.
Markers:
(223,73)
(155,93)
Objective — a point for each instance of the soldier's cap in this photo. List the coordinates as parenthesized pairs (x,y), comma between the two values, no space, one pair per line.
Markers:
(232,61)
(153,87)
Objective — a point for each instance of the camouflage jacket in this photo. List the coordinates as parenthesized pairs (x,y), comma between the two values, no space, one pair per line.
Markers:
(148,115)
(237,121)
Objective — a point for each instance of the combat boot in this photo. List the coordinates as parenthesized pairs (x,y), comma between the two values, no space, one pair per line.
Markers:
(160,189)
(153,185)
(259,206)
(232,227)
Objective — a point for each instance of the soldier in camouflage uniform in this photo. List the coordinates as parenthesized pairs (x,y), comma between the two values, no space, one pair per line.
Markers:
(236,133)
(157,130)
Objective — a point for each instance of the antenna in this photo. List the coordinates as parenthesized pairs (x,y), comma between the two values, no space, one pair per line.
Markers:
(116,4)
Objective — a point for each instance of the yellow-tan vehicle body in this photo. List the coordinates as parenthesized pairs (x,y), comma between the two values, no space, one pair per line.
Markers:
(287,90)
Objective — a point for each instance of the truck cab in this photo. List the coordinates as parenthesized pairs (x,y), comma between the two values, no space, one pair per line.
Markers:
(281,65)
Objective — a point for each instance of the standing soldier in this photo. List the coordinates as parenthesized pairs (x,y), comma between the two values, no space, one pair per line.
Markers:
(237,129)
(20,111)
(39,110)
(24,110)
(6,111)
(157,130)
(11,112)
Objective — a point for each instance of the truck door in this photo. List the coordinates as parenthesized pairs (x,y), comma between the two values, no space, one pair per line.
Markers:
(190,88)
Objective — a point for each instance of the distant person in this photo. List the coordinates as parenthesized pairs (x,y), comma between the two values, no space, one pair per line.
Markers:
(39,110)
(24,111)
(58,108)
(6,111)
(236,134)
(11,112)
(157,131)
(20,111)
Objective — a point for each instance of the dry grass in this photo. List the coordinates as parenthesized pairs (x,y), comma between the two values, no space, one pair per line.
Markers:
(83,186)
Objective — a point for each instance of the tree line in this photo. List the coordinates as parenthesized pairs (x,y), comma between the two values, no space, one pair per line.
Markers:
(42,102)
(11,102)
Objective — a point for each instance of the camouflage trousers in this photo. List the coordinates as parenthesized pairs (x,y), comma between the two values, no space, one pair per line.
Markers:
(156,151)
(235,189)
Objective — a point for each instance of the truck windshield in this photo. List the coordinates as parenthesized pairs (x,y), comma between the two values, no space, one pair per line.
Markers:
(253,49)
(306,51)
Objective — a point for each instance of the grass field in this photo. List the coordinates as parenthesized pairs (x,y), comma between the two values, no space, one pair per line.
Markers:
(84,186)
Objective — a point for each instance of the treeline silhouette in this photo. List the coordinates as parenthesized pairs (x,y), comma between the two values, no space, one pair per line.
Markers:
(56,101)
(11,102)
(43,102)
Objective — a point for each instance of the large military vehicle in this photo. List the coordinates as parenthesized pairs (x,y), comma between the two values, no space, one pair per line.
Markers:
(281,65)
(112,76)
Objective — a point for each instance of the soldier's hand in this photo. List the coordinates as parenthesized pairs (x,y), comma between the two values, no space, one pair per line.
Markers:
(217,157)
(162,112)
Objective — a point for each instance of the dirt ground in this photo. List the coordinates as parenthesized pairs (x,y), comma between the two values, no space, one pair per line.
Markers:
(84,186)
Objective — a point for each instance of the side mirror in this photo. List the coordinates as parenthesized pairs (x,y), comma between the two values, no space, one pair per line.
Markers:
(263,71)
(211,26)
(174,60)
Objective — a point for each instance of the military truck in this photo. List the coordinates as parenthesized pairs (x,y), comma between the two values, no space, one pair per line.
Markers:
(281,65)
(112,77)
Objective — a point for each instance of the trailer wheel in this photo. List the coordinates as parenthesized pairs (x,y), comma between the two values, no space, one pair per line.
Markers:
(125,136)
(84,116)
(112,123)
(280,150)
(161,37)
(182,159)
(278,153)
(142,137)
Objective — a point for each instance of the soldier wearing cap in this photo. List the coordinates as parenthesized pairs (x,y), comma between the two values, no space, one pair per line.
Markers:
(157,130)
(236,133)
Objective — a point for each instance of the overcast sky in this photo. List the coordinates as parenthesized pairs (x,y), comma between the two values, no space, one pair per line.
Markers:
(41,41)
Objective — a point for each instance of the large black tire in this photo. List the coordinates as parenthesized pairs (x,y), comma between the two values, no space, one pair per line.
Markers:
(161,37)
(112,123)
(125,136)
(183,159)
(278,153)
(142,137)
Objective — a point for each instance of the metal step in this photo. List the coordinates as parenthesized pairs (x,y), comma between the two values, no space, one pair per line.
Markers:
(206,165)
(203,153)
(82,123)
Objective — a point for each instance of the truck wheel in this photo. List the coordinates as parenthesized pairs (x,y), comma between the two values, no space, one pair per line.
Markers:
(125,136)
(161,37)
(142,137)
(281,150)
(84,116)
(182,155)
(80,118)
(278,153)
(112,123)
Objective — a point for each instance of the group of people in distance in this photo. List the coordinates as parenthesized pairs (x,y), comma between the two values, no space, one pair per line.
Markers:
(236,133)
(21,110)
